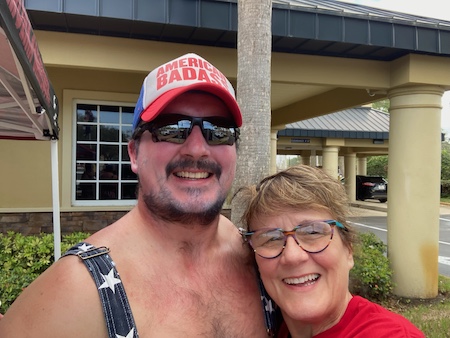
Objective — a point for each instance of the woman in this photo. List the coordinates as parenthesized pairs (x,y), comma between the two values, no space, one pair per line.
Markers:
(304,251)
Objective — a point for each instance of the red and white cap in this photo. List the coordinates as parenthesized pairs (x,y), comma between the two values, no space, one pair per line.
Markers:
(188,72)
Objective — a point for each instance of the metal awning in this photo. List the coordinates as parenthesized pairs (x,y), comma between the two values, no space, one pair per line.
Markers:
(28,104)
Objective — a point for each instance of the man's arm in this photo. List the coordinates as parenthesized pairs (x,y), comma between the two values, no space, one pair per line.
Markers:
(62,302)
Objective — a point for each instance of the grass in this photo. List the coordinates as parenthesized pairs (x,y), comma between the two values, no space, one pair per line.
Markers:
(429,315)
(445,199)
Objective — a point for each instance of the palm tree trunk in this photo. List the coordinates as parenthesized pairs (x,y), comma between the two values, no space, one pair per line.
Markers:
(253,94)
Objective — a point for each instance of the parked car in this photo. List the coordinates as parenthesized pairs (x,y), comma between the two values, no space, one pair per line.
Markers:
(371,187)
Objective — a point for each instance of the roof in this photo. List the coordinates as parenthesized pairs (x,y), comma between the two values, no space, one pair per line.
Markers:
(316,27)
(350,9)
(359,123)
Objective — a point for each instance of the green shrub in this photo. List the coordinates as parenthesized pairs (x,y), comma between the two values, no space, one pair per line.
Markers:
(445,188)
(371,277)
(23,258)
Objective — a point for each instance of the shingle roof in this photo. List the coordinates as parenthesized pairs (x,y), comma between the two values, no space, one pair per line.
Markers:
(361,122)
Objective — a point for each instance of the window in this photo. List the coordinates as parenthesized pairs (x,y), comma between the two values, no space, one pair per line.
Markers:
(102,166)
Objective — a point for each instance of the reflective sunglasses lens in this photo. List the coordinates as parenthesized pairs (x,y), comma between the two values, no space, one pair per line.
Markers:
(174,133)
(216,134)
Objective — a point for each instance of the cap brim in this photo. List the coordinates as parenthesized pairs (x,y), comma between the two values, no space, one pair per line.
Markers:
(161,102)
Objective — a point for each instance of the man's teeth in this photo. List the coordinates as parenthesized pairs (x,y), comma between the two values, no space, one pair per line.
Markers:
(302,280)
(188,174)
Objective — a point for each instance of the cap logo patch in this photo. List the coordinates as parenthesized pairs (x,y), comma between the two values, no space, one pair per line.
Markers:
(189,69)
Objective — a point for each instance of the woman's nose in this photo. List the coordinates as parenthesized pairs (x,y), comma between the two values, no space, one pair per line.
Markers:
(292,252)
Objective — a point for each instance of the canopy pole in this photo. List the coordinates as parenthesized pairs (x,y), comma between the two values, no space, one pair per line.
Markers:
(55,198)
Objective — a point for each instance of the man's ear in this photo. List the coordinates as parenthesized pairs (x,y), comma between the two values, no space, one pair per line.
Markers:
(132,152)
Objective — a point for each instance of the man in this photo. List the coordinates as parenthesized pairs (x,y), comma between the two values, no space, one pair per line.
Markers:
(182,264)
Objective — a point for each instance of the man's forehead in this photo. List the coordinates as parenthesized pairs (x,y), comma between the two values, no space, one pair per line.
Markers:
(197,103)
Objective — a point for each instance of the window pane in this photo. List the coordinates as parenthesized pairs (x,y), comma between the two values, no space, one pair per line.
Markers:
(109,133)
(86,191)
(127,115)
(86,151)
(109,152)
(88,171)
(129,191)
(127,173)
(108,191)
(86,113)
(126,133)
(109,172)
(109,114)
(86,132)
(125,156)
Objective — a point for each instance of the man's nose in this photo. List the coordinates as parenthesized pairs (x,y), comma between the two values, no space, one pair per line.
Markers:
(195,144)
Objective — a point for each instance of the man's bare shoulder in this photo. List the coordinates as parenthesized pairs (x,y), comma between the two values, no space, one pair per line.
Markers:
(63,301)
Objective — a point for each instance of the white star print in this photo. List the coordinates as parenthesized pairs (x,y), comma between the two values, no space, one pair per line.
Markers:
(110,281)
(268,306)
(85,247)
(129,335)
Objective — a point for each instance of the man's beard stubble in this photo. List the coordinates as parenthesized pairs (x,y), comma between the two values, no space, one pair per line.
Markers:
(165,208)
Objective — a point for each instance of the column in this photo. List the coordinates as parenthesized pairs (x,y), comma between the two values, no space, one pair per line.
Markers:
(362,165)
(330,160)
(350,175)
(313,158)
(306,157)
(414,189)
(273,151)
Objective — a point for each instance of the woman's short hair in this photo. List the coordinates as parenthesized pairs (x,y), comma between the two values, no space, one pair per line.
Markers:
(299,187)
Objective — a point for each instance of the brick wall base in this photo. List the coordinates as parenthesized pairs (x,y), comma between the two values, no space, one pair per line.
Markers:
(32,223)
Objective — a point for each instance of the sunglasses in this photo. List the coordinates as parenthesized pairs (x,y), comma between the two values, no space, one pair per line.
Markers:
(175,128)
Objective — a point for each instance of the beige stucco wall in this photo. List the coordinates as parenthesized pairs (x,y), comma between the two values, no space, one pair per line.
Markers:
(106,68)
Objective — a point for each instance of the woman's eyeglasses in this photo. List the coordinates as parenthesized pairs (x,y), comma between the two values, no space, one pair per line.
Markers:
(312,237)
(176,128)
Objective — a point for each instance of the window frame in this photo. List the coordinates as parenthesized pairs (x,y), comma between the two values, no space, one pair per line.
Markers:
(74,202)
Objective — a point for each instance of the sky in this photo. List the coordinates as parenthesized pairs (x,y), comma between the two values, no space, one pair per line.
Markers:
(430,8)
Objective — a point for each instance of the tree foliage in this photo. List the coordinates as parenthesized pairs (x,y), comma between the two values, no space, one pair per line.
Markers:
(377,165)
(445,161)
(382,105)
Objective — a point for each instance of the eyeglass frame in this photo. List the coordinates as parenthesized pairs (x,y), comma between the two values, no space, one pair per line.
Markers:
(286,233)
(157,124)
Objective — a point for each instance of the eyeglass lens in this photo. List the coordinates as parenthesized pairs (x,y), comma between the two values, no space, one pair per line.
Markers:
(312,237)
(176,128)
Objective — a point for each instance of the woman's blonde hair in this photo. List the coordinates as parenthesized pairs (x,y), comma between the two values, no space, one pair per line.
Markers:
(299,187)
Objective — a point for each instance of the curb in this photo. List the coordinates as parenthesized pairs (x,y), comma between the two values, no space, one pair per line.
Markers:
(370,207)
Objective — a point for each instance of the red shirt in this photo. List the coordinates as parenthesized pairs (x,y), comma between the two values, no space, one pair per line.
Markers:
(364,319)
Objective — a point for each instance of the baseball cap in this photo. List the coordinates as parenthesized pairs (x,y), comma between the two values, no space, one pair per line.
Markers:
(187,72)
